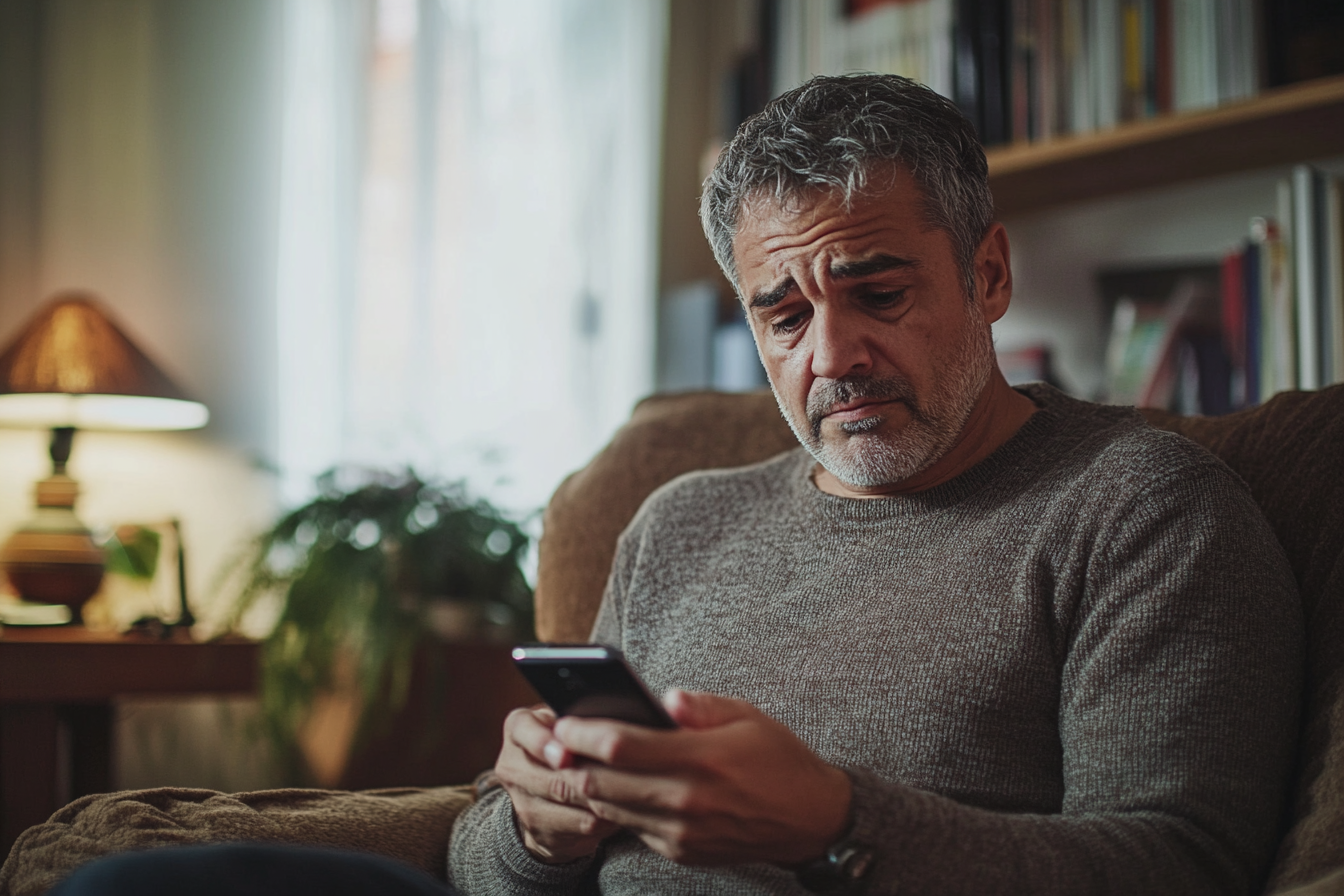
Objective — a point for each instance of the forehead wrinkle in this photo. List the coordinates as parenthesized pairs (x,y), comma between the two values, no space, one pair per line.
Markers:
(820,237)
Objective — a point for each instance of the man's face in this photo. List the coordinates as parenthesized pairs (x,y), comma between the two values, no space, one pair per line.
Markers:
(874,354)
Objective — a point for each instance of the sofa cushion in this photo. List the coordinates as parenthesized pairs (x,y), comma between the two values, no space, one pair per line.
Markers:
(411,825)
(1290,451)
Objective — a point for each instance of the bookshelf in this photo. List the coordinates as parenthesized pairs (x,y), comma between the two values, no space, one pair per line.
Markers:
(1277,127)
(1174,189)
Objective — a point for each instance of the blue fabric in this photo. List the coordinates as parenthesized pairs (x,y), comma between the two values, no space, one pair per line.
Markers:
(233,869)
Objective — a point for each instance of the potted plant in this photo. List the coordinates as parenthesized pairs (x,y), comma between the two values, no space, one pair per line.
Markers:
(373,566)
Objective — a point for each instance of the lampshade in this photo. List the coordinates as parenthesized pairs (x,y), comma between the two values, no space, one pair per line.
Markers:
(72,366)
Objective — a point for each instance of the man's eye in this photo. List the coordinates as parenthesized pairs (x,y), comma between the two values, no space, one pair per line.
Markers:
(884,299)
(787,325)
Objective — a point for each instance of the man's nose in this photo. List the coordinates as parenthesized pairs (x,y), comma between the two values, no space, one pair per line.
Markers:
(839,346)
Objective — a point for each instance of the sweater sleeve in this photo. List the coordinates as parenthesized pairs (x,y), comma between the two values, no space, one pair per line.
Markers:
(486,854)
(1179,695)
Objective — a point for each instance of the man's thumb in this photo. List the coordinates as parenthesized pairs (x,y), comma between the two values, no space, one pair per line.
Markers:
(696,709)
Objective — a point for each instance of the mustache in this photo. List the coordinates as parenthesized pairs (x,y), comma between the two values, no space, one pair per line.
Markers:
(829,394)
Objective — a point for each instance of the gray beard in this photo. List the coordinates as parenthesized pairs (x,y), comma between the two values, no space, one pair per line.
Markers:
(863,458)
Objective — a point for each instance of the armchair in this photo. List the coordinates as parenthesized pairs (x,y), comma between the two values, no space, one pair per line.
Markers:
(1290,451)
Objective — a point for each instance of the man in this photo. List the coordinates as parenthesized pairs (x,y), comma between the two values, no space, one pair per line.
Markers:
(972,639)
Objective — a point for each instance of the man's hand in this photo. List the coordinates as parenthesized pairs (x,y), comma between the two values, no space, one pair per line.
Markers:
(731,785)
(554,824)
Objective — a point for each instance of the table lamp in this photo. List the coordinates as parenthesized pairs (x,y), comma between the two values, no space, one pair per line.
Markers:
(72,368)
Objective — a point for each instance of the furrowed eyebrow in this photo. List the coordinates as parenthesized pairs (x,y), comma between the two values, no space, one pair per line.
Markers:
(851,270)
(773,297)
(848,270)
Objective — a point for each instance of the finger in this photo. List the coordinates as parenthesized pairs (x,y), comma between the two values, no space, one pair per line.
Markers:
(639,793)
(523,776)
(532,730)
(619,744)
(696,709)
(520,771)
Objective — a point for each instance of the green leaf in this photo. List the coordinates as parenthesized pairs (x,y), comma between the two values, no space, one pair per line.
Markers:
(133,551)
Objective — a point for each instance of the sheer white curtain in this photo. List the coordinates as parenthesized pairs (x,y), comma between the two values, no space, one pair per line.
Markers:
(467,270)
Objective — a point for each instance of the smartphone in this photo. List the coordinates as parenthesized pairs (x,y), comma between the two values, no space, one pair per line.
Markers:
(589,680)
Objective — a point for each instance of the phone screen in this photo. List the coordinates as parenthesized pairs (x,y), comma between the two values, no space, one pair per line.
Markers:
(591,681)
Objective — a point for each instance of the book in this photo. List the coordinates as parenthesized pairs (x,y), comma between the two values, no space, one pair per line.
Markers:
(1131,60)
(1253,338)
(1077,95)
(1023,69)
(1333,318)
(995,66)
(1232,288)
(1278,329)
(1045,123)
(966,64)
(1162,57)
(1308,194)
(1166,347)
(1103,49)
(1195,68)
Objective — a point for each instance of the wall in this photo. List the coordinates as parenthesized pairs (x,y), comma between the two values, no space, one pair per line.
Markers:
(137,163)
(138,159)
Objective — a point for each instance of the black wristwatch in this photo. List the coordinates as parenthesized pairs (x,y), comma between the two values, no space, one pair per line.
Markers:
(841,869)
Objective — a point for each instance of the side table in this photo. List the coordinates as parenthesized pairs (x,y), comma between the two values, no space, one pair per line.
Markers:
(56,690)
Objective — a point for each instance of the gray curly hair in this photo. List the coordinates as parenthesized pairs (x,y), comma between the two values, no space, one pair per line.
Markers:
(833,134)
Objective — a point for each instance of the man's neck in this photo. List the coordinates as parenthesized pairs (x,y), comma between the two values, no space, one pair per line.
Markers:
(996,417)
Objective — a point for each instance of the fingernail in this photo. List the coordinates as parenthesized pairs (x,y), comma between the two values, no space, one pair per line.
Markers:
(554,753)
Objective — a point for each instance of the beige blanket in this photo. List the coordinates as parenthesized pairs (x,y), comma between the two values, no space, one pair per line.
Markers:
(408,824)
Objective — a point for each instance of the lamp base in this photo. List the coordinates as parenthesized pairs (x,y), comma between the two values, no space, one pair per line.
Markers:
(54,559)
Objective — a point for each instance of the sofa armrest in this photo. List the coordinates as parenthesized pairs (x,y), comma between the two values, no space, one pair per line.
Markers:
(411,825)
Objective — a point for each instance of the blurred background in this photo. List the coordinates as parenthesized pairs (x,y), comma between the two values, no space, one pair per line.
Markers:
(461,236)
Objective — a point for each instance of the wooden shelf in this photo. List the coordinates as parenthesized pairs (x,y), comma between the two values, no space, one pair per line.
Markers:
(1278,127)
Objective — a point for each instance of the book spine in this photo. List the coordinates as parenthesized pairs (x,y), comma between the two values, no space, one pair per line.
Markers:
(1046,53)
(1283,308)
(1305,250)
(1254,334)
(1131,60)
(1081,103)
(1148,52)
(1233,293)
(993,23)
(966,55)
(1023,69)
(1162,56)
(1247,63)
(1103,47)
(1334,253)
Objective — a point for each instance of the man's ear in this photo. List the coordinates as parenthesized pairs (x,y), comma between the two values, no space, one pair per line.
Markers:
(994,273)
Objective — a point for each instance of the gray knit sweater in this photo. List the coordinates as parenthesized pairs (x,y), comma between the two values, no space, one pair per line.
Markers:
(1072,669)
